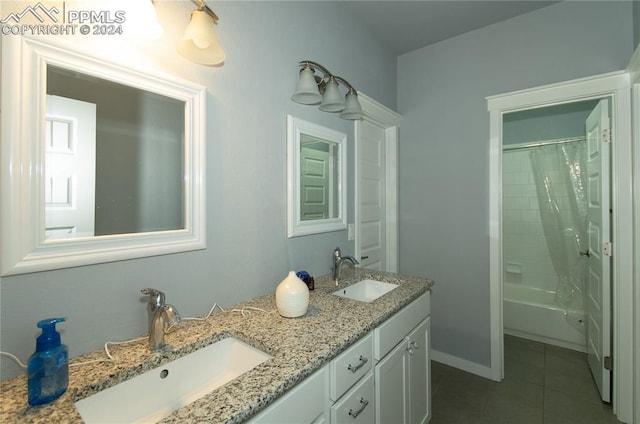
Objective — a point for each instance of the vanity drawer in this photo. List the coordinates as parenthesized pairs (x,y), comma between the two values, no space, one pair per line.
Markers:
(305,403)
(393,330)
(350,366)
(357,405)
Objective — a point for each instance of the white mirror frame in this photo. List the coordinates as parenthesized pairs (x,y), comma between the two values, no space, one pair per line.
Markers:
(295,226)
(22,215)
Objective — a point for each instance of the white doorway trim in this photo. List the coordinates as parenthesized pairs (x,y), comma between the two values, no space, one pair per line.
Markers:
(634,70)
(389,120)
(617,86)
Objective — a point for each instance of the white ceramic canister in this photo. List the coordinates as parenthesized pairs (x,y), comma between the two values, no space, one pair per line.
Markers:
(292,296)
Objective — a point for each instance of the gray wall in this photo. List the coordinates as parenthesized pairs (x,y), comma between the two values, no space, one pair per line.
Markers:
(248,252)
(636,23)
(444,145)
(546,123)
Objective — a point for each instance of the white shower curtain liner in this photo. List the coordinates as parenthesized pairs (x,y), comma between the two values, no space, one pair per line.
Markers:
(560,179)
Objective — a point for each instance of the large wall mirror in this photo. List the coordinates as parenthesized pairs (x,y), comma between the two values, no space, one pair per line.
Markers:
(100,162)
(316,178)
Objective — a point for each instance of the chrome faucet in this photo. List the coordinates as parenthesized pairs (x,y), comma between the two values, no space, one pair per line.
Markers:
(162,314)
(338,260)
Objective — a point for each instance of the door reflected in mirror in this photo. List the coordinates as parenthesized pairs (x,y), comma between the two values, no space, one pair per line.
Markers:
(319,172)
(114,158)
(316,178)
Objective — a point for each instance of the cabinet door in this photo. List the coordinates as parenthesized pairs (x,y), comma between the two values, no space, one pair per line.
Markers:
(419,374)
(391,386)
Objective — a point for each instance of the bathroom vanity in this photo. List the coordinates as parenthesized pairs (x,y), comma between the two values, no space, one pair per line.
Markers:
(382,378)
(343,361)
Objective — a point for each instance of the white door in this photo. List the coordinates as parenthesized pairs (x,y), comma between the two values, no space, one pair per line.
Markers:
(70,173)
(599,254)
(315,196)
(372,193)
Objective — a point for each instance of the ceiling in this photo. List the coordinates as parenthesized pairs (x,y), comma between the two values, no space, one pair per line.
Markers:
(404,26)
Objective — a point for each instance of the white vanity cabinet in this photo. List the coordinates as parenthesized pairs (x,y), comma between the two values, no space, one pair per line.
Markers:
(402,374)
(383,378)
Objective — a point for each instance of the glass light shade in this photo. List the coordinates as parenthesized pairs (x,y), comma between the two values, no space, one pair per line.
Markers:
(332,100)
(200,42)
(141,18)
(307,90)
(352,109)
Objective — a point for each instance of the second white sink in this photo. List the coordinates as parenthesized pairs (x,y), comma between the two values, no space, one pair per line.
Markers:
(155,394)
(366,290)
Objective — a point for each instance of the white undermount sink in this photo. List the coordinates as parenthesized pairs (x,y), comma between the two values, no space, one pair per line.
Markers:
(155,394)
(366,290)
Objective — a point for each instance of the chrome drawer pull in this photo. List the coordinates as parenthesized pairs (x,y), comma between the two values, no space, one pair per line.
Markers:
(359,411)
(362,360)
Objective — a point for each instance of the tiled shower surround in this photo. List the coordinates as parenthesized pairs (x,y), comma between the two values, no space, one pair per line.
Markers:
(526,257)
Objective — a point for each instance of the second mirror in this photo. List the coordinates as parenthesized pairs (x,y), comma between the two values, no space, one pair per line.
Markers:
(316,178)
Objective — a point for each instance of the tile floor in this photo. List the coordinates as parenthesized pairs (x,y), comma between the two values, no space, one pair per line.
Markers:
(543,385)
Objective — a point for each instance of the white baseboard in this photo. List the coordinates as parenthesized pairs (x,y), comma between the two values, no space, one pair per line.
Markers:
(462,364)
(578,347)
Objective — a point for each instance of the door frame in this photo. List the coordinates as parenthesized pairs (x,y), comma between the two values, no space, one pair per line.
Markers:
(615,85)
(386,118)
(634,70)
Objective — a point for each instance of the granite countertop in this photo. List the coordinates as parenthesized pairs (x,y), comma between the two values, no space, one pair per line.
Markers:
(299,346)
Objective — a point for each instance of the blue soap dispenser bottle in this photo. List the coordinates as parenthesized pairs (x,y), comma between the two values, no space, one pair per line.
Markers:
(48,367)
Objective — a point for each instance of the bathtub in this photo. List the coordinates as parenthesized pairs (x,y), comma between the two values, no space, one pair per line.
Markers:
(531,313)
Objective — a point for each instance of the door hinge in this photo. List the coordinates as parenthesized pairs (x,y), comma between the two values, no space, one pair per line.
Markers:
(606,135)
(608,363)
(607,249)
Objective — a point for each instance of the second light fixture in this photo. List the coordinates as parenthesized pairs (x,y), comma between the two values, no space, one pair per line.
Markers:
(313,89)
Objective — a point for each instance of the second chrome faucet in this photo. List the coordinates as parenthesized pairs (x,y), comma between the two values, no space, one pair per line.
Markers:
(338,260)
(163,314)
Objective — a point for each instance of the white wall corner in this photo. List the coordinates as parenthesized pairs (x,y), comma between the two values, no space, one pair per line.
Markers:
(634,66)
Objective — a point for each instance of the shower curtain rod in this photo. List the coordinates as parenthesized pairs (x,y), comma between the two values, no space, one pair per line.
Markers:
(542,143)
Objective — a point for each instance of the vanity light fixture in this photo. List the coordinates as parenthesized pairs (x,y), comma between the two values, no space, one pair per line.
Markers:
(200,42)
(139,18)
(142,14)
(313,89)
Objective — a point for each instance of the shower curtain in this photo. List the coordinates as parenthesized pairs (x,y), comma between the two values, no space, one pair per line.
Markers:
(559,171)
